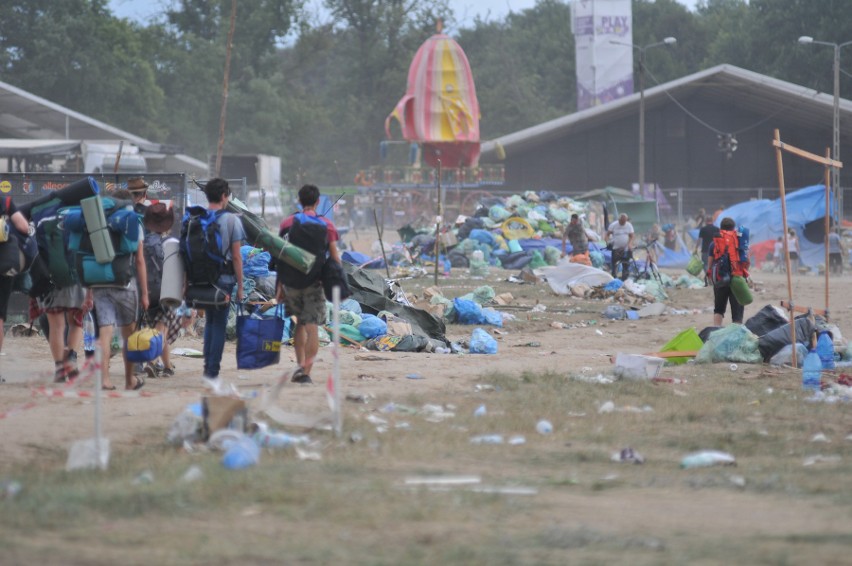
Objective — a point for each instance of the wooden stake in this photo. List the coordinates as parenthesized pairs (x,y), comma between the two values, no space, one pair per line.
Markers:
(780,163)
(221,144)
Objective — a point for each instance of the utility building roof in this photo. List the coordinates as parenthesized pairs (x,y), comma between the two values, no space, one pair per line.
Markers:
(25,116)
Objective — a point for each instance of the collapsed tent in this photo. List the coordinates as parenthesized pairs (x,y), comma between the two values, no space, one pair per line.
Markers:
(371,291)
(805,215)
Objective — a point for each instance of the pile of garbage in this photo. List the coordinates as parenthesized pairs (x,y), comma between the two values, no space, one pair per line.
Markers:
(512,233)
(766,337)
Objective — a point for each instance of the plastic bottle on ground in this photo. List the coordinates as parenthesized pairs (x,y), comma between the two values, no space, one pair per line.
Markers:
(825,349)
(811,370)
(89,339)
(240,454)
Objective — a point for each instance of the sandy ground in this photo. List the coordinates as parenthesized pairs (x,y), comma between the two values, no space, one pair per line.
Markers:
(35,423)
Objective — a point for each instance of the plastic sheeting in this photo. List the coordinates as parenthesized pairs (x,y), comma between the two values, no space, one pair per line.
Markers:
(560,277)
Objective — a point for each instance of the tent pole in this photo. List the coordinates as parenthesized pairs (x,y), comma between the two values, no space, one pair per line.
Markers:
(828,188)
(780,164)
(438,224)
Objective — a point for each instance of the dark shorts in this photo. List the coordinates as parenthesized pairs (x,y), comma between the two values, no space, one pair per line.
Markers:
(835,258)
(5,292)
(724,295)
(308,305)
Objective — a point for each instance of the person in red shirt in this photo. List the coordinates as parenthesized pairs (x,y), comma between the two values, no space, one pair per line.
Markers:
(302,293)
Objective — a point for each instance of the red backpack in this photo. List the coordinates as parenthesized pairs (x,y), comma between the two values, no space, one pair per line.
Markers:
(725,261)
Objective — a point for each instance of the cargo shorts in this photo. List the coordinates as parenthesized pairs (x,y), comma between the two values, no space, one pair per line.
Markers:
(308,304)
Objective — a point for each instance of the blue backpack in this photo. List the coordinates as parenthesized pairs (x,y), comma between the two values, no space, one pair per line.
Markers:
(201,247)
(123,226)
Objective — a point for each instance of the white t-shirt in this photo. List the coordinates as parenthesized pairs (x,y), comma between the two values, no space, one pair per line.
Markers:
(620,234)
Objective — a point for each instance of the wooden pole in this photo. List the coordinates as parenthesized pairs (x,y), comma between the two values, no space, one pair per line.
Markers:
(780,163)
(221,144)
(380,232)
(828,188)
(438,224)
(117,162)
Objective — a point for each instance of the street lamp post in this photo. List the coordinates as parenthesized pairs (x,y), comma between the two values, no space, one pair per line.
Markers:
(641,49)
(835,171)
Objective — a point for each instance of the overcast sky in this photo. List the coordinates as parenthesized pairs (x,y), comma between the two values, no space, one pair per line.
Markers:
(466,10)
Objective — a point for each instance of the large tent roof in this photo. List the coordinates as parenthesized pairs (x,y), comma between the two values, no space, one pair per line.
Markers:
(25,116)
(733,85)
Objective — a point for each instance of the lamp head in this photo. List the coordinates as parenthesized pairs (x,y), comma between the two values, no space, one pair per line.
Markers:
(806,39)
(670,40)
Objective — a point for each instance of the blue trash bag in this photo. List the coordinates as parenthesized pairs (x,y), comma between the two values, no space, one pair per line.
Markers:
(351,305)
(468,312)
(482,343)
(483,237)
(372,326)
(614,285)
(492,317)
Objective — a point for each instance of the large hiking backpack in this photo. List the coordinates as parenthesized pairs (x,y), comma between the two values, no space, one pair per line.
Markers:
(311,234)
(123,227)
(53,243)
(154,258)
(726,259)
(201,247)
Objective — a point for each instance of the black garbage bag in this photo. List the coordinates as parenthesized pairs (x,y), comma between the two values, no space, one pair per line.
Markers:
(517,260)
(771,343)
(468,226)
(458,259)
(705,334)
(766,320)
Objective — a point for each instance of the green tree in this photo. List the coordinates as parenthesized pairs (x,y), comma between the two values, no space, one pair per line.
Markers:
(523,67)
(75,53)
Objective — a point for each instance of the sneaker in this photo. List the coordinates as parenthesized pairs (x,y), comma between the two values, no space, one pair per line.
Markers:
(167,372)
(299,376)
(150,370)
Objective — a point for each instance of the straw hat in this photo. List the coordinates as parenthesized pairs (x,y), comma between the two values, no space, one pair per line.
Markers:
(137,184)
(159,218)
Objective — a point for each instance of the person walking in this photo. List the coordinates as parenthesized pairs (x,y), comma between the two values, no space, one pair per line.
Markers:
(723,294)
(117,307)
(19,224)
(621,232)
(231,236)
(836,251)
(158,220)
(705,239)
(793,249)
(302,293)
(576,234)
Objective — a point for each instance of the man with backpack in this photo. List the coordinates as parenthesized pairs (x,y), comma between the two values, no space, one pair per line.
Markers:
(725,262)
(210,246)
(116,303)
(302,293)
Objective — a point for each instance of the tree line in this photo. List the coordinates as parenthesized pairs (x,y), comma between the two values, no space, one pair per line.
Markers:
(316,90)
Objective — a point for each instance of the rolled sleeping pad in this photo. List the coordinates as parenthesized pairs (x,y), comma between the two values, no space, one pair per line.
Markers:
(260,236)
(171,288)
(70,195)
(96,225)
(739,287)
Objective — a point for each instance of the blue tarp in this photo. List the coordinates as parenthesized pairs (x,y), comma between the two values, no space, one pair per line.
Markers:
(804,208)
